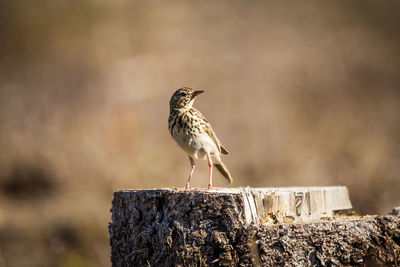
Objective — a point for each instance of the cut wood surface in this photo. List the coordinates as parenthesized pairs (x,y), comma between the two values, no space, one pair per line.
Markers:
(248,227)
(293,204)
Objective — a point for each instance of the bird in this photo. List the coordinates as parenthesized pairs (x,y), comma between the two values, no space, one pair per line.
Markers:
(194,134)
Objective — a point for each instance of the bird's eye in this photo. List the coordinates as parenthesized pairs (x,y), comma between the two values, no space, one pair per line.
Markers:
(182,94)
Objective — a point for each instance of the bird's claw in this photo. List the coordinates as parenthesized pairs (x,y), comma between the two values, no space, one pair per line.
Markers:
(187,187)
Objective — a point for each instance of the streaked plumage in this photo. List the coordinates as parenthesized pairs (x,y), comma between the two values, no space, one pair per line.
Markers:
(194,134)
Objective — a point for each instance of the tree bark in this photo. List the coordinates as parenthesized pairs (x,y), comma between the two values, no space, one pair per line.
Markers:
(202,228)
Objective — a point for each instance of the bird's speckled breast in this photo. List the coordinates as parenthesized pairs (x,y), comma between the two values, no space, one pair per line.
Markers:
(187,130)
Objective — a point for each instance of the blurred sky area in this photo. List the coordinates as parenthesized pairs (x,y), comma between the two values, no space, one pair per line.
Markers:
(302,93)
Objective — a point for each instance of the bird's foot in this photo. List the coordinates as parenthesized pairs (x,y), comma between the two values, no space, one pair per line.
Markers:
(196,188)
(210,187)
(187,187)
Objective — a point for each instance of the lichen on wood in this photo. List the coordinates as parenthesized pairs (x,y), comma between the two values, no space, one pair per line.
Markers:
(343,242)
(168,228)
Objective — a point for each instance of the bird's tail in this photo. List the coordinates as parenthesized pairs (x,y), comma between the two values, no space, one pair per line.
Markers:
(224,171)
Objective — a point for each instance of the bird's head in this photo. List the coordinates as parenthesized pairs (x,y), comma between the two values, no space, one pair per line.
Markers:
(183,97)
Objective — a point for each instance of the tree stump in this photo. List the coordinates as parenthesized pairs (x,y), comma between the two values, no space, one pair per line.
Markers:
(300,226)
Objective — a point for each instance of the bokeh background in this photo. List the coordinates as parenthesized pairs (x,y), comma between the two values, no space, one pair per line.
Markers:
(302,93)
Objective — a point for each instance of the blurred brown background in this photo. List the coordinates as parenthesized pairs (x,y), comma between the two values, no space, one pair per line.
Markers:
(300,92)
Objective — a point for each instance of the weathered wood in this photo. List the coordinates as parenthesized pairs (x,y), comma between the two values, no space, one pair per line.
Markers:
(364,241)
(293,204)
(202,228)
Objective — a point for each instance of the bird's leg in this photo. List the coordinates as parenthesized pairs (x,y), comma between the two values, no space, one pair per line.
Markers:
(210,165)
(210,177)
(191,172)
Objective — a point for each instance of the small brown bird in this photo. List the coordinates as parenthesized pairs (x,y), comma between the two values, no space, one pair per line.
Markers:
(193,133)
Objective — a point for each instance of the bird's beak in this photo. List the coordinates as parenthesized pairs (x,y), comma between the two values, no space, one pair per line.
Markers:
(196,93)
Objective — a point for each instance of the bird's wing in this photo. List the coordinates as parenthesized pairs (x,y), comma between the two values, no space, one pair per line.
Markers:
(208,129)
